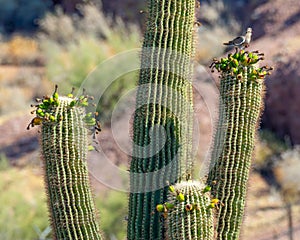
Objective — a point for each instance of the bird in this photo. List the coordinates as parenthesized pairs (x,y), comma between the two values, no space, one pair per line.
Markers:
(241,42)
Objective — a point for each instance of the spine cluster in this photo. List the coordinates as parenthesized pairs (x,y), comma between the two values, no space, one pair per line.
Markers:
(241,102)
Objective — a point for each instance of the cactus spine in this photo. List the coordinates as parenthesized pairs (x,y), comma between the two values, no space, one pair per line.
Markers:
(64,145)
(241,102)
(167,102)
(188,212)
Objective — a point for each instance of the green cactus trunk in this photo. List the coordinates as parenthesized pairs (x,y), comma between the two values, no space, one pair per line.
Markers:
(189,216)
(64,149)
(163,117)
(241,102)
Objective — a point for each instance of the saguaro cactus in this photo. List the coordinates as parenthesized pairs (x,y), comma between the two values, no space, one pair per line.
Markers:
(164,99)
(64,144)
(241,102)
(188,212)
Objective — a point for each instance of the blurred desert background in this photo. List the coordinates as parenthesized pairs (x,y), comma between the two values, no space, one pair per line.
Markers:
(43,43)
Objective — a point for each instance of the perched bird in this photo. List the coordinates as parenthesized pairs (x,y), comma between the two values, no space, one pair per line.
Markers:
(242,41)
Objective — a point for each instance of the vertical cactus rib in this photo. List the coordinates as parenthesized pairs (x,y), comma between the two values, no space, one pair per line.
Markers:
(241,102)
(64,143)
(163,101)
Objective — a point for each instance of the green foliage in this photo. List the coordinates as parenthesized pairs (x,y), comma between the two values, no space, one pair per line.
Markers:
(241,101)
(23,211)
(268,146)
(113,211)
(275,144)
(286,172)
(4,162)
(70,65)
(23,206)
(76,52)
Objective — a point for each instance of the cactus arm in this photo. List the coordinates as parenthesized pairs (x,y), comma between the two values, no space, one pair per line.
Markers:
(241,102)
(64,143)
(190,215)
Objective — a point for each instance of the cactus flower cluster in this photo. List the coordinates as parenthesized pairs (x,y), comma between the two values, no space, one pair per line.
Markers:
(235,64)
(46,107)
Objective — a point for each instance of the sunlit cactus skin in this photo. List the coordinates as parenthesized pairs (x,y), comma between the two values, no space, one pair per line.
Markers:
(166,101)
(188,212)
(64,145)
(241,102)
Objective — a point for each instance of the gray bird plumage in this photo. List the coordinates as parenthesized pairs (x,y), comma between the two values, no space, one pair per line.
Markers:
(241,41)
